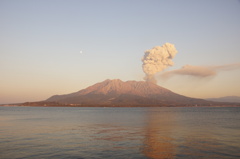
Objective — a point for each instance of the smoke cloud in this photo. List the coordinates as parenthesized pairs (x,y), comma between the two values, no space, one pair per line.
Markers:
(200,71)
(157,59)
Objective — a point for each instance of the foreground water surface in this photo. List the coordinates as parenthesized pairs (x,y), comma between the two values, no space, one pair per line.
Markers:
(75,133)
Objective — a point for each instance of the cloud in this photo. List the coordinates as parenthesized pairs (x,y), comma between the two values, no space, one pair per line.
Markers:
(227,67)
(200,71)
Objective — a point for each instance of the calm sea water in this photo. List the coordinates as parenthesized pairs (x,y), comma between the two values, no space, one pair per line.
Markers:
(140,133)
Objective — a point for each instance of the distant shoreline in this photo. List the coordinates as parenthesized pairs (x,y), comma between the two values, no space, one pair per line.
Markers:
(119,106)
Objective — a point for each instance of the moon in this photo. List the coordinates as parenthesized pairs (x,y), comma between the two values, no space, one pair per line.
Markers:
(81,52)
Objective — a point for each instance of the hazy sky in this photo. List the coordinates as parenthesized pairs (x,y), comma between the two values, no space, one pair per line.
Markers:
(52,47)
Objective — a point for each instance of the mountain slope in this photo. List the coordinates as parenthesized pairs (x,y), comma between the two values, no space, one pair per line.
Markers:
(233,99)
(130,93)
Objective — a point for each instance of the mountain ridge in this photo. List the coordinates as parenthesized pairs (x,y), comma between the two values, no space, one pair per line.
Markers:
(117,86)
(116,93)
(235,99)
(133,93)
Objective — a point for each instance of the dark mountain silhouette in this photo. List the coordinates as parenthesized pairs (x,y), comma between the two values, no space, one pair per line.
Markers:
(130,93)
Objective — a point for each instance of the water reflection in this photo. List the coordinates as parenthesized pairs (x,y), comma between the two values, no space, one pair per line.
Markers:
(158,142)
(119,133)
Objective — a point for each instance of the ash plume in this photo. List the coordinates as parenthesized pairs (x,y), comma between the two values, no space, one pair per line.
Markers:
(200,71)
(157,59)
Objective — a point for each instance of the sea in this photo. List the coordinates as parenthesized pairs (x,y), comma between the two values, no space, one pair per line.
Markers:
(119,133)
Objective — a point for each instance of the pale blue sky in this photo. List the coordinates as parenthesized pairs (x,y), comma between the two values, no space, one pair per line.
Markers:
(41,40)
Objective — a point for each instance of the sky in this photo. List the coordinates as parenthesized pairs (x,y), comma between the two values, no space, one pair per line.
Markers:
(50,47)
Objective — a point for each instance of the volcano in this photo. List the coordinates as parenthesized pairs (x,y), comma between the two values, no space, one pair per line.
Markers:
(126,94)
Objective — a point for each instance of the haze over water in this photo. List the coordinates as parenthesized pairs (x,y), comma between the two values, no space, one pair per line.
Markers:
(41,132)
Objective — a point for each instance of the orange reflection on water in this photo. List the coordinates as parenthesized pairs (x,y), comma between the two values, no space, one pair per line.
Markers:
(158,141)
